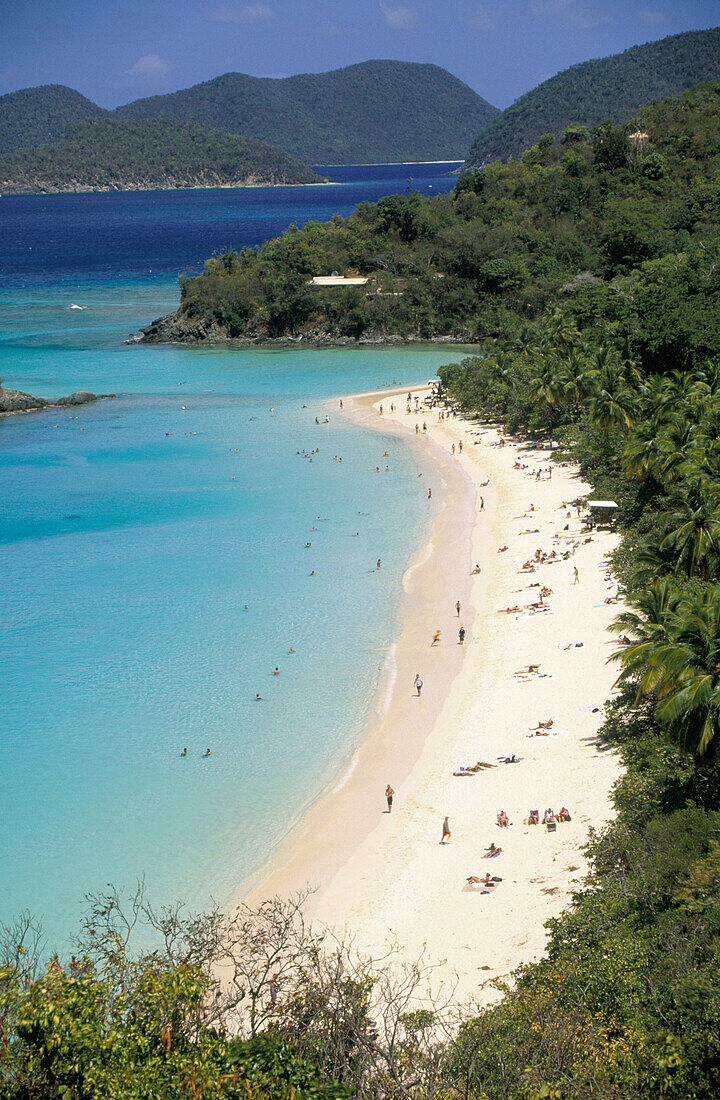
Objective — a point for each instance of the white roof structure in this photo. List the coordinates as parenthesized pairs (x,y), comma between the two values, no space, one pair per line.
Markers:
(338,280)
(601,504)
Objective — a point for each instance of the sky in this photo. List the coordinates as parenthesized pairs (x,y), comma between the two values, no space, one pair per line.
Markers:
(114,51)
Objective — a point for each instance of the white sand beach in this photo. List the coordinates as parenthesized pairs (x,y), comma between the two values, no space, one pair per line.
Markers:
(382,875)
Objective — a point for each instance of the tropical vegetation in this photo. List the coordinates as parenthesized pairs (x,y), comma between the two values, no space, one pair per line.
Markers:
(614,87)
(622,221)
(119,156)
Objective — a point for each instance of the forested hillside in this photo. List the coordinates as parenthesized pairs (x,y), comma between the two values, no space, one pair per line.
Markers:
(600,212)
(613,88)
(372,112)
(128,156)
(36,116)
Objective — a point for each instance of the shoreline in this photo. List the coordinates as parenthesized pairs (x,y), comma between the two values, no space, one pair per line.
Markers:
(345,809)
(385,876)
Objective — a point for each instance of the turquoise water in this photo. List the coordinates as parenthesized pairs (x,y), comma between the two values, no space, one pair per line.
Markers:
(133,534)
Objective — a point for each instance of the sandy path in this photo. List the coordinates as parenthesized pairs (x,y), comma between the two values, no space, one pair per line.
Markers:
(382,875)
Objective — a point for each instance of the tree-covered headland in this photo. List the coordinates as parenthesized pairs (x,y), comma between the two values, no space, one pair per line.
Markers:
(572,219)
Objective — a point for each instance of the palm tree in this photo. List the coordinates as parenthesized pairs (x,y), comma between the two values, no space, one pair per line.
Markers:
(695,537)
(676,661)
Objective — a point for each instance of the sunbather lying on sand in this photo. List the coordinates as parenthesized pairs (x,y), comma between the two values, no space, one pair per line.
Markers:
(510,610)
(502,549)
(543,725)
(485,880)
(491,852)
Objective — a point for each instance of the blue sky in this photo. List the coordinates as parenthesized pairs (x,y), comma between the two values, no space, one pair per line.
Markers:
(117,51)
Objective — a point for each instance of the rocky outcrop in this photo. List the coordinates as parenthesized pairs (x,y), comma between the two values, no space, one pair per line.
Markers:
(14,401)
(178,328)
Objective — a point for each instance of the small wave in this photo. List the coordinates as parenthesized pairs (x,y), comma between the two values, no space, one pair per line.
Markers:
(391,667)
(425,556)
(348,773)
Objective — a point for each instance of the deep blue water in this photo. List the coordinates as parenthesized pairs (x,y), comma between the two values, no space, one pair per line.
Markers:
(133,533)
(152,235)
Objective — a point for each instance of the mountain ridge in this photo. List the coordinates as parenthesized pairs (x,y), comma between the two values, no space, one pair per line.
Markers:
(613,87)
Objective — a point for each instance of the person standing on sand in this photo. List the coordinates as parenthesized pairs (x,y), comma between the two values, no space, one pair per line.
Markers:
(461,635)
(446,831)
(389,792)
(457,608)
(576,575)
(482,504)
(418,683)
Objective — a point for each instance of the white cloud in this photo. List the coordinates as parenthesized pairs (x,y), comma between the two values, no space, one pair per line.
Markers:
(652,16)
(481,20)
(249,13)
(400,19)
(148,67)
(574,13)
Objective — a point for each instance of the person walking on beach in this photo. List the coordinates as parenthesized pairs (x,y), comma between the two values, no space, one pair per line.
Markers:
(436,638)
(461,635)
(446,831)
(389,792)
(576,575)
(418,683)
(457,608)
(482,504)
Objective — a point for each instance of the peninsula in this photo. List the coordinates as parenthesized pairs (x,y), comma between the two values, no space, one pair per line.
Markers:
(586,220)
(109,155)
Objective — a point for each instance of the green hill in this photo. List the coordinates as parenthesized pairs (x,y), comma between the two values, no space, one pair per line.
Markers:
(615,87)
(493,255)
(372,112)
(109,155)
(35,116)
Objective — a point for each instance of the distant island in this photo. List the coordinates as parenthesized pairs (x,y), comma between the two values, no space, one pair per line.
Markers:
(614,87)
(376,111)
(109,155)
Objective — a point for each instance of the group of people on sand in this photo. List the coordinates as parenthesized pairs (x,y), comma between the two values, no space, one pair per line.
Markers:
(550,817)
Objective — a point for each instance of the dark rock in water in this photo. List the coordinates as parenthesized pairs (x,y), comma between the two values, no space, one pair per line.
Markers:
(13,401)
(178,328)
(80,397)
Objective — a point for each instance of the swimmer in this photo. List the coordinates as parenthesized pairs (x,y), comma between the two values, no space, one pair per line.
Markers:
(258,698)
(379,563)
(184,752)
(207,752)
(276,670)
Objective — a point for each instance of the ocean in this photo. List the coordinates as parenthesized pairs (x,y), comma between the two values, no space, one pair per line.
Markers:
(162,553)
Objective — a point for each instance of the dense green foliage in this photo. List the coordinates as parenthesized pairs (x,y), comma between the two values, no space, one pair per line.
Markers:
(376,111)
(575,218)
(36,116)
(615,87)
(112,155)
(626,375)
